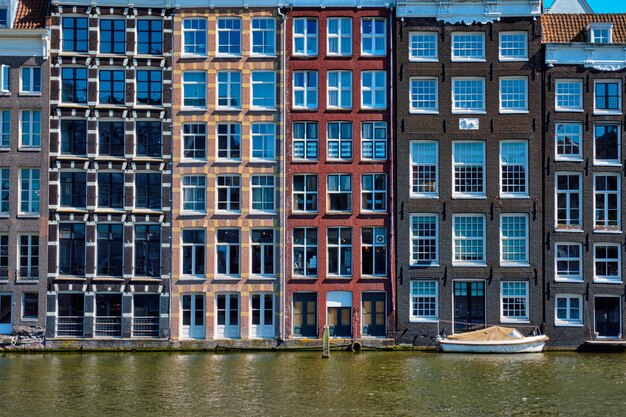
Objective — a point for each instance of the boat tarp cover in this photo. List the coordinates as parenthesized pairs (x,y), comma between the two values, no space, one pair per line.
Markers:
(490,334)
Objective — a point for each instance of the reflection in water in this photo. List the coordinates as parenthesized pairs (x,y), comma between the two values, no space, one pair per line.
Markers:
(302,384)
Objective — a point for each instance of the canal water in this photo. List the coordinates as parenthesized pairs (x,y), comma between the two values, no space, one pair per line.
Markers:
(303,384)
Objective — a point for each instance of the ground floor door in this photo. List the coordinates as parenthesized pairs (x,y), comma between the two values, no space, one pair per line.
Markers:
(192,326)
(339,321)
(146,315)
(607,315)
(6,313)
(469,305)
(108,321)
(227,306)
(262,320)
(373,320)
(70,314)
(305,314)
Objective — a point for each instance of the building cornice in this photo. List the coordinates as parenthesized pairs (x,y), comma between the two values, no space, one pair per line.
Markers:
(468,11)
(24,42)
(211,4)
(600,57)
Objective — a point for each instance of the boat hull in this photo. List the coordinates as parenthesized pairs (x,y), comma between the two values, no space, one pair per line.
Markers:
(531,344)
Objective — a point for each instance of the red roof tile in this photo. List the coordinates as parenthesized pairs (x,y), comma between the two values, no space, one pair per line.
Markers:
(31,14)
(565,28)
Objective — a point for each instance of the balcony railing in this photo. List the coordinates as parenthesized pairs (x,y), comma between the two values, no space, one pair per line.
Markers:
(108,326)
(71,326)
(146,326)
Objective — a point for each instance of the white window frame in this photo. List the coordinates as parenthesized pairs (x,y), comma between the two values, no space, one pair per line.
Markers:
(308,90)
(608,162)
(469,263)
(217,36)
(340,89)
(455,57)
(416,97)
(605,211)
(195,187)
(598,38)
(339,190)
(504,163)
(373,36)
(30,89)
(504,238)
(608,279)
(569,226)
(304,193)
(5,129)
(30,201)
(505,97)
(571,277)
(31,133)
(195,31)
(30,256)
(193,135)
(455,164)
(305,246)
(564,134)
(562,82)
(466,110)
(5,79)
(339,141)
(417,240)
(305,141)
(264,133)
(377,232)
(263,187)
(229,191)
(5,180)
(414,165)
(339,36)
(374,89)
(617,111)
(233,130)
(342,249)
(254,84)
(523,57)
(272,31)
(373,141)
(233,90)
(374,192)
(199,85)
(195,247)
(414,47)
(228,274)
(509,319)
(568,322)
(306,37)
(263,246)
(413,298)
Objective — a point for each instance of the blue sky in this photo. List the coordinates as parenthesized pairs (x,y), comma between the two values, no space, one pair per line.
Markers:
(601,6)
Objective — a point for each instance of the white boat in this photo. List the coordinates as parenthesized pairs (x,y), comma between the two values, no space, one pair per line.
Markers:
(493,339)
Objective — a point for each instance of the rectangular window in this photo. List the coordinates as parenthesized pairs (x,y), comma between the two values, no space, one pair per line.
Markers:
(424,301)
(513,46)
(339,187)
(340,251)
(229,36)
(112,87)
(150,36)
(514,240)
(339,140)
(469,240)
(74,85)
(194,193)
(305,36)
(194,247)
(72,248)
(75,34)
(229,193)
(3,17)
(424,165)
(31,80)
(5,79)
(600,34)
(568,189)
(568,95)
(305,252)
(228,252)
(373,36)
(468,95)
(262,309)
(374,90)
(568,310)
(424,239)
(112,36)
(28,267)
(111,137)
(5,191)
(149,136)
(339,36)
(5,128)
(229,141)
(30,128)
(339,89)
(423,46)
(305,89)
(110,254)
(263,139)
(514,169)
(468,160)
(30,305)
(569,141)
(263,252)
(74,137)
(4,257)
(374,192)
(305,140)
(468,46)
(607,262)
(607,96)
(513,94)
(606,202)
(568,261)
(374,251)
(514,302)
(194,89)
(195,36)
(111,190)
(263,90)
(263,36)
(606,144)
(305,192)
(424,95)
(374,141)
(148,250)
(194,141)
(29,191)
(229,89)
(148,190)
(73,189)
(150,87)
(263,193)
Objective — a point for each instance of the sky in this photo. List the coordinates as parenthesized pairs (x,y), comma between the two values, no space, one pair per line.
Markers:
(601,6)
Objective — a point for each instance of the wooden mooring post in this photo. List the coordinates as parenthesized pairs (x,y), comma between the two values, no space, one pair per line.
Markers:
(326,342)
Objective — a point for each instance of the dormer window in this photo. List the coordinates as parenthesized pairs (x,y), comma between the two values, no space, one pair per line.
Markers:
(4,14)
(600,32)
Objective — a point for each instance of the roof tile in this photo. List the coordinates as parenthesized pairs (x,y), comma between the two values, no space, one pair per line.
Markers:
(31,14)
(565,28)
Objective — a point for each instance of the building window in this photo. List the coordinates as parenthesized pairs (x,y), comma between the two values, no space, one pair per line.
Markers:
(263,139)
(150,36)
(5,128)
(73,189)
(28,257)
(229,141)
(4,257)
(263,36)
(374,89)
(31,80)
(5,191)
(194,244)
(72,248)
(228,252)
(29,191)
(150,87)
(148,190)
(568,310)
(514,240)
(227,316)
(424,239)
(194,89)
(74,85)
(374,141)
(305,251)
(374,192)
(30,305)
(569,141)
(513,46)
(468,160)
(305,138)
(149,137)
(514,302)
(229,89)
(110,250)
(111,189)
(112,36)
(600,32)
(424,301)
(263,193)
(568,260)
(194,193)
(339,89)
(339,36)
(262,252)
(608,97)
(513,169)
(263,90)
(229,36)
(606,199)
(111,138)
(373,36)
(148,250)
(339,140)
(31,128)
(468,46)
(195,36)
(424,164)
(305,89)
(423,46)
(305,36)
(468,95)
(305,192)
(339,187)
(607,262)
(374,251)
(74,137)
(194,141)
(75,34)
(229,193)
(514,94)
(569,95)
(5,79)
(112,86)
(262,309)
(4,17)
(568,201)
(469,239)
(606,144)
(340,251)
(424,95)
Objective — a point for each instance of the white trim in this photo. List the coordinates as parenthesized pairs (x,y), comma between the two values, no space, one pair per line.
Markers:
(605,194)
(566,228)
(505,263)
(515,58)
(413,58)
(473,11)
(457,58)
(603,279)
(507,319)
(576,278)
(525,167)
(473,263)
(504,110)
(568,322)
(576,81)
(617,111)
(418,110)
(573,158)
(459,195)
(460,110)
(434,262)
(602,57)
(422,319)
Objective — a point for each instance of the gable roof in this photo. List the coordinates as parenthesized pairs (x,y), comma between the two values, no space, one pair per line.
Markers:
(566,28)
(31,14)
(569,6)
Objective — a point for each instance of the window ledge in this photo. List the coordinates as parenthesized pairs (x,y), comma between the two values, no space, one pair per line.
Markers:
(339,212)
(424,265)
(566,159)
(72,158)
(469,197)
(72,210)
(570,280)
(565,324)
(263,56)
(514,321)
(468,60)
(226,213)
(468,112)
(566,110)
(607,281)
(227,109)
(227,277)
(426,196)
(262,161)
(525,111)
(107,278)
(433,60)
(146,279)
(193,109)
(193,278)
(418,320)
(261,277)
(412,111)
(514,265)
(304,213)
(305,161)
(147,159)
(193,161)
(228,56)
(262,109)
(520,59)
(5,149)
(24,149)
(607,112)
(148,107)
(262,213)
(610,231)
(193,56)
(192,213)
(5,215)
(469,265)
(28,216)
(373,277)
(26,94)
(304,278)
(110,158)
(70,277)
(568,230)
(227,161)
(339,277)
(146,211)
(514,196)
(107,210)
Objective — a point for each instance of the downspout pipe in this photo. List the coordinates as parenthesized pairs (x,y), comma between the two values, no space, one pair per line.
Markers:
(392,165)
(282,168)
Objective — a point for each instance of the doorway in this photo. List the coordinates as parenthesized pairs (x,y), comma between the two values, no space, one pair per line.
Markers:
(607,315)
(469,305)
(192,306)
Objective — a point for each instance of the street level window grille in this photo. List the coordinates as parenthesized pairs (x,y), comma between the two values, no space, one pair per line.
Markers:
(468,160)
(150,87)
(111,190)
(229,90)
(569,95)
(568,201)
(31,129)
(194,247)
(514,239)
(339,89)
(110,253)
(340,251)
(111,138)
(339,189)
(4,257)
(424,301)
(514,169)
(568,259)
(194,89)
(148,250)
(468,95)
(374,141)
(305,90)
(374,90)
(146,315)
(263,193)
(112,36)
(263,250)
(74,137)
(569,309)
(195,36)
(72,249)
(31,80)
(513,46)
(374,192)
(514,94)
(514,301)
(374,251)
(148,190)
(30,186)
(305,192)
(305,34)
(149,136)
(263,139)
(28,267)
(373,36)
(108,317)
(569,141)
(263,36)
(424,239)
(607,96)
(74,85)
(423,46)
(469,240)
(305,140)
(607,202)
(70,315)
(75,34)
(424,95)
(468,46)
(339,140)
(228,252)
(229,36)
(194,193)
(229,193)
(607,262)
(424,167)
(5,128)
(194,141)
(150,36)
(112,87)
(263,90)
(606,144)
(339,36)
(5,190)
(305,258)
